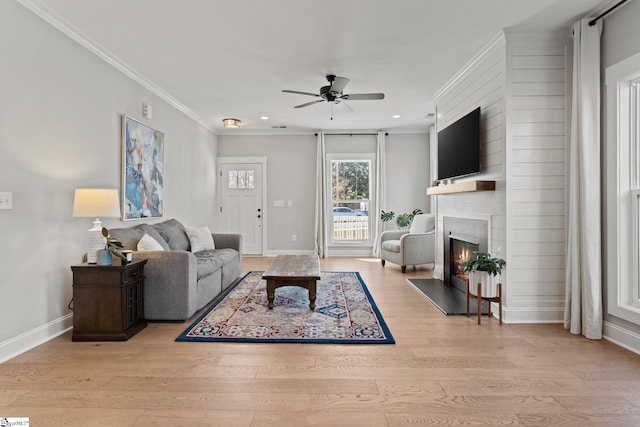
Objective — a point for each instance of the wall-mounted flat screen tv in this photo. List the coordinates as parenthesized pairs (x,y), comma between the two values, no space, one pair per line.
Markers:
(459,147)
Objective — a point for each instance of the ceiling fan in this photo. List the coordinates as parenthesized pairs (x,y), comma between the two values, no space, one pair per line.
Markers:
(333,93)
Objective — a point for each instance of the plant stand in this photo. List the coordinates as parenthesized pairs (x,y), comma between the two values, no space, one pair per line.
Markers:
(480,298)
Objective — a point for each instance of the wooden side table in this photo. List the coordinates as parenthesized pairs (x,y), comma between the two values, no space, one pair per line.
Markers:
(480,298)
(108,301)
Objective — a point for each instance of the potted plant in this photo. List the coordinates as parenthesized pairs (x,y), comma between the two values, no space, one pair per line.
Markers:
(403,220)
(483,269)
(112,246)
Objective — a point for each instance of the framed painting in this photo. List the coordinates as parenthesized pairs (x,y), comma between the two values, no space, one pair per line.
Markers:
(142,170)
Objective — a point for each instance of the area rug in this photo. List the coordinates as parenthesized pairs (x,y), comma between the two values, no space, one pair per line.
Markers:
(345,313)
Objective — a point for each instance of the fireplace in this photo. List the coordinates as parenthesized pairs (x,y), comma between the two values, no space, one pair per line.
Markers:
(462,237)
(461,249)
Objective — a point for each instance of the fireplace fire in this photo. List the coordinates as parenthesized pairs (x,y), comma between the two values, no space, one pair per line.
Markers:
(461,251)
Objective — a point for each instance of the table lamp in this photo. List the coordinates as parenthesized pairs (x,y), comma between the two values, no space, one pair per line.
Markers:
(95,203)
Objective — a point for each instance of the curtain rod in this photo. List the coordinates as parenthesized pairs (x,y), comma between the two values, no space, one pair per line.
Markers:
(351,134)
(606,12)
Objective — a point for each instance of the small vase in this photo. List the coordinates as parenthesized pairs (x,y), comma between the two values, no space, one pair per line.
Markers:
(104,257)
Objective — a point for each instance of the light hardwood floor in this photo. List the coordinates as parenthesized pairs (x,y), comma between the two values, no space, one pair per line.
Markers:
(442,370)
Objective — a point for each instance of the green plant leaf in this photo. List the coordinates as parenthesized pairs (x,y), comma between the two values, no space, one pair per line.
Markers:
(484,262)
(387,216)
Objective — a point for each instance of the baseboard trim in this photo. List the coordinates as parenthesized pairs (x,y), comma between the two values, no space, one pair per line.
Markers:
(287,252)
(524,315)
(33,338)
(622,337)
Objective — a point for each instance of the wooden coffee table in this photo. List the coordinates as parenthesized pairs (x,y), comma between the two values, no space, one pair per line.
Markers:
(293,270)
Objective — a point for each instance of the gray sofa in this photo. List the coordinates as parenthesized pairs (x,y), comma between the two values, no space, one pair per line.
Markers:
(178,282)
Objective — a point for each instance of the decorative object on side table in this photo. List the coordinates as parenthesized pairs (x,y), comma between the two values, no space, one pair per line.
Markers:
(95,203)
(483,284)
(112,246)
(403,220)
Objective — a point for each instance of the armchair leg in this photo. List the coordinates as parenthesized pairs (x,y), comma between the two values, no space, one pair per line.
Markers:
(404,268)
(382,261)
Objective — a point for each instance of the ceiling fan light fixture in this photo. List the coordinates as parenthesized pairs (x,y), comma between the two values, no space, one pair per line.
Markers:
(231,123)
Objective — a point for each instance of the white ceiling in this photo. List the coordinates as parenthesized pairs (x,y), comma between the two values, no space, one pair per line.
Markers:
(233,58)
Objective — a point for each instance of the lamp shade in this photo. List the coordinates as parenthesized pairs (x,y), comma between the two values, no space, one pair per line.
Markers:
(96,202)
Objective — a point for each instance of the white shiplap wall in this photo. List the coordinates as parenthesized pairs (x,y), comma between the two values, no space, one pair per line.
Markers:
(481,83)
(520,83)
(537,94)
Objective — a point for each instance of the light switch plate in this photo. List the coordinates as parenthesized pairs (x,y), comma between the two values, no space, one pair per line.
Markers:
(6,200)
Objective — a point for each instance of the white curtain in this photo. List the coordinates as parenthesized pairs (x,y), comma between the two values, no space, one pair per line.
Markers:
(321,226)
(583,302)
(381,192)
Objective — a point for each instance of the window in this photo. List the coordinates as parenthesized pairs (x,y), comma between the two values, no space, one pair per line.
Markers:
(623,189)
(241,180)
(351,189)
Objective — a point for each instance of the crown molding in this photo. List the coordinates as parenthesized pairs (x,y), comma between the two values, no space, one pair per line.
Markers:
(37,8)
(456,79)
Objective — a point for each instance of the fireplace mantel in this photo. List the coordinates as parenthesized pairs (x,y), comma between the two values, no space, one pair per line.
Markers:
(462,187)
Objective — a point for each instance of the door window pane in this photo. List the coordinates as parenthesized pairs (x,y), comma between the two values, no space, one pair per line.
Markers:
(241,180)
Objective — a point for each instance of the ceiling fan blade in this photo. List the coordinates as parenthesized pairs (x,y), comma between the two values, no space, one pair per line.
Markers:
(308,103)
(338,84)
(362,96)
(346,105)
(300,93)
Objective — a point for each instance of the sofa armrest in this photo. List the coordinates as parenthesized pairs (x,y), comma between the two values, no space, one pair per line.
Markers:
(170,287)
(228,240)
(417,248)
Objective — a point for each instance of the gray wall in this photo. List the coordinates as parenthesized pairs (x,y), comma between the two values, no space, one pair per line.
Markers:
(620,40)
(291,171)
(291,175)
(60,128)
(408,172)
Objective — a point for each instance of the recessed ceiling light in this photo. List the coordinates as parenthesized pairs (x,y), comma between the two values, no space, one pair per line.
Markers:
(264,117)
(396,116)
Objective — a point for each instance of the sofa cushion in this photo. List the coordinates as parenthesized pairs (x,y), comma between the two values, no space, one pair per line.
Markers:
(391,245)
(199,238)
(148,243)
(172,231)
(128,236)
(422,223)
(152,232)
(210,261)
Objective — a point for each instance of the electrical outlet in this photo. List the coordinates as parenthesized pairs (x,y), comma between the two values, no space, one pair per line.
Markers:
(294,238)
(6,200)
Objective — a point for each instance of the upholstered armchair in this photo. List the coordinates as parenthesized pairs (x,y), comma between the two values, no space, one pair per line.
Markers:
(417,246)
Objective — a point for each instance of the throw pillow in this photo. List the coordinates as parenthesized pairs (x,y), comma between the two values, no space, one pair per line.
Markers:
(148,229)
(148,243)
(200,238)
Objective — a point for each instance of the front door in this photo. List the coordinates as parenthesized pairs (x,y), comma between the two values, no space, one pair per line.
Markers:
(241,203)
